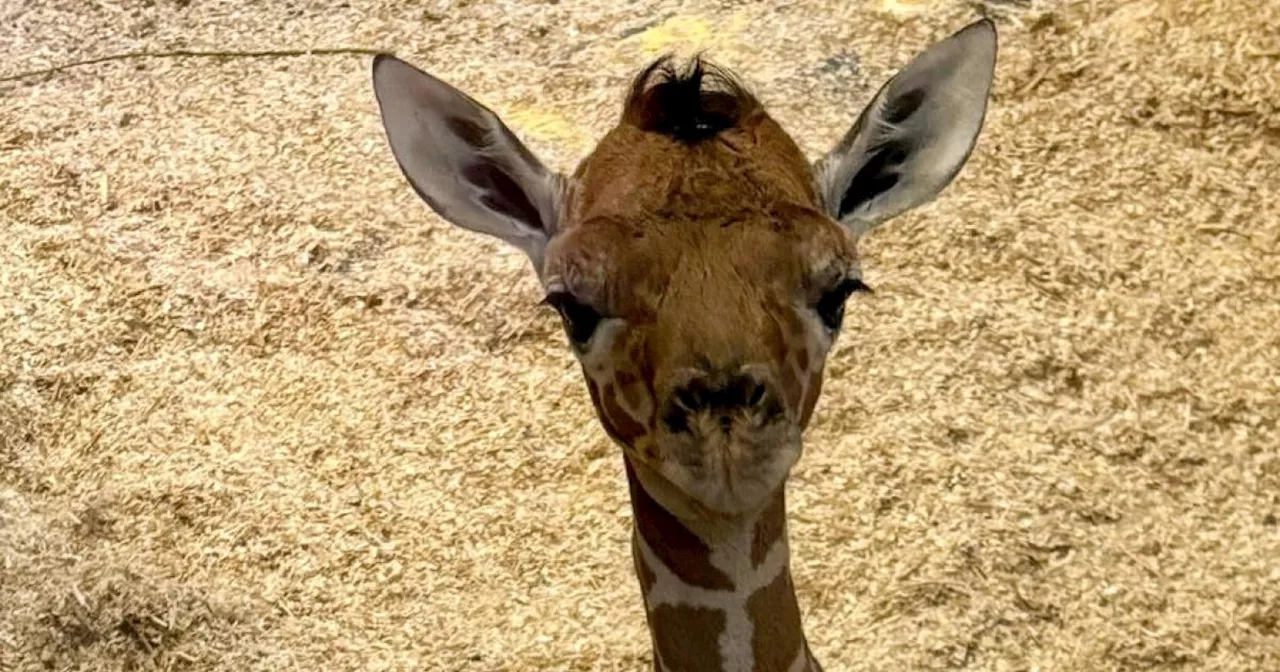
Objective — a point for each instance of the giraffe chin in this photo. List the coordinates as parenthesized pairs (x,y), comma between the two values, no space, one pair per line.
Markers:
(716,482)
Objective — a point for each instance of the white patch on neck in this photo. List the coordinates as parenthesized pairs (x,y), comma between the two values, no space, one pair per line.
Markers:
(731,555)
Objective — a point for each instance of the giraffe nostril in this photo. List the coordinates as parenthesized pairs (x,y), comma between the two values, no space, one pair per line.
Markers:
(721,401)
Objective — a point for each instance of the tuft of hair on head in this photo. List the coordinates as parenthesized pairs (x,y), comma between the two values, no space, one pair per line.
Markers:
(689,104)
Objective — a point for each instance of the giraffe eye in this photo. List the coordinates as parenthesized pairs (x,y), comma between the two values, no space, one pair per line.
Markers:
(830,306)
(580,320)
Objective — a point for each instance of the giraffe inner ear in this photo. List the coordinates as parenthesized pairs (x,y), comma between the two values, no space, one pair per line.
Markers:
(915,135)
(463,161)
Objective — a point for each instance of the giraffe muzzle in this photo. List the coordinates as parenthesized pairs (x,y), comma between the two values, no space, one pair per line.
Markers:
(726,439)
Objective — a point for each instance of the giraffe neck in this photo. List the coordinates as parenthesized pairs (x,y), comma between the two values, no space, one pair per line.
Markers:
(718,599)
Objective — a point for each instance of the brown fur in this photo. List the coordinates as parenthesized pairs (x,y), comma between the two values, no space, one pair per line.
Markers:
(685,638)
(618,425)
(777,638)
(726,231)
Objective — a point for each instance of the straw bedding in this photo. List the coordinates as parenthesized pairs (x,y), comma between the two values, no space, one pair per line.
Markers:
(261,410)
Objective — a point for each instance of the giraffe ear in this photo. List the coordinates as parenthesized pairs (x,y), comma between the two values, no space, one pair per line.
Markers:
(915,135)
(463,161)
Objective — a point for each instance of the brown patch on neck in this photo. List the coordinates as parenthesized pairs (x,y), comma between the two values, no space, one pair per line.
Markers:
(777,637)
(687,638)
(680,550)
(769,528)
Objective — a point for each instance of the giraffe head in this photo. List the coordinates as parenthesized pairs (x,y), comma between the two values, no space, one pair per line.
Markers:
(699,263)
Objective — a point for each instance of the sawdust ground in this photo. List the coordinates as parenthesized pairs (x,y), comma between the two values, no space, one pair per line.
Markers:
(259,410)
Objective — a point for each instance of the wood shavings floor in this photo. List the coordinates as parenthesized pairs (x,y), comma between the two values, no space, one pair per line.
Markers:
(260,410)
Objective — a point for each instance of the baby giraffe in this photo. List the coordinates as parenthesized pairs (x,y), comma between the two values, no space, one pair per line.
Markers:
(700,265)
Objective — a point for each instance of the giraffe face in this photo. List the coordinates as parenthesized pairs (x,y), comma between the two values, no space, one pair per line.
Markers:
(699,262)
(703,332)
(701,285)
